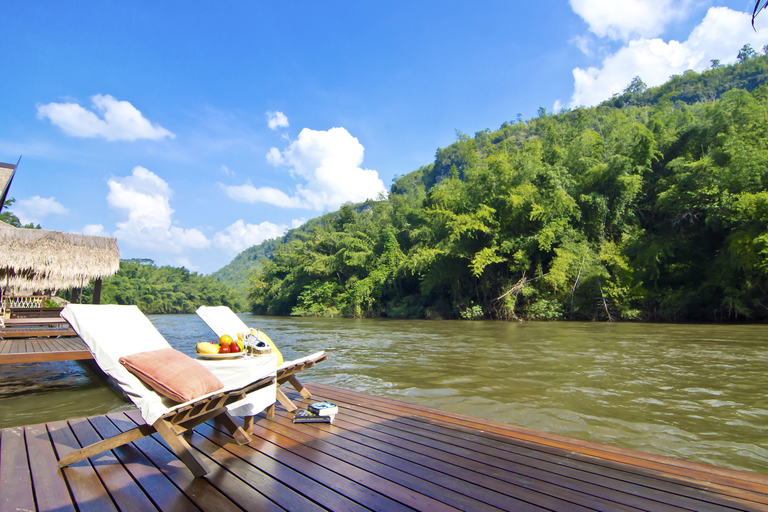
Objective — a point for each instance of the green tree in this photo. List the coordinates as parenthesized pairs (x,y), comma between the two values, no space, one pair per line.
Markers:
(746,53)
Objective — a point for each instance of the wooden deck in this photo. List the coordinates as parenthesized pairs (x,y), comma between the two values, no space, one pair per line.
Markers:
(29,328)
(40,350)
(379,454)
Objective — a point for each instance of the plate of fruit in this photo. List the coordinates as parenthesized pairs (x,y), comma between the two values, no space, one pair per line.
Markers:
(227,348)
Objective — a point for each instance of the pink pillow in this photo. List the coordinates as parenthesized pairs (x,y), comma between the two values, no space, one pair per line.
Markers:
(172,374)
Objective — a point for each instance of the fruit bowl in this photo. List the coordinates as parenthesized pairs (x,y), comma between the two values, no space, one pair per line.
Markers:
(221,356)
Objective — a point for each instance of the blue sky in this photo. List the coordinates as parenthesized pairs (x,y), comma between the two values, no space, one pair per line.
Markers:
(192,130)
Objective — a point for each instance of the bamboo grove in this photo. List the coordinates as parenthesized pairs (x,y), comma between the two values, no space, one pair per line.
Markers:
(649,210)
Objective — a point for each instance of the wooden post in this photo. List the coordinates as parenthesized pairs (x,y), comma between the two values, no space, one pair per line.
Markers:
(96,291)
(75,296)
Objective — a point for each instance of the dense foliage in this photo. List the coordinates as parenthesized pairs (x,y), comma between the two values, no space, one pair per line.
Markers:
(655,211)
(161,289)
(749,73)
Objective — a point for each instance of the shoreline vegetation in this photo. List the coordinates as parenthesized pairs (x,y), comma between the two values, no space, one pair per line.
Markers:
(651,206)
(161,290)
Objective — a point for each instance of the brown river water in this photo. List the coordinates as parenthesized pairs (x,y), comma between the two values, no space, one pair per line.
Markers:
(696,392)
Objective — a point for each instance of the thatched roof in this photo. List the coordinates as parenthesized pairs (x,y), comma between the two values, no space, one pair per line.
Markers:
(38,259)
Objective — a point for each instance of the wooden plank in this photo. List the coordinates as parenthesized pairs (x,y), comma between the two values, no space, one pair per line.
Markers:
(51,489)
(319,473)
(393,482)
(482,472)
(35,333)
(85,487)
(294,477)
(121,487)
(692,470)
(43,350)
(247,492)
(469,459)
(10,322)
(181,448)
(347,466)
(198,490)
(156,486)
(444,475)
(44,357)
(256,477)
(15,477)
(730,495)
(614,479)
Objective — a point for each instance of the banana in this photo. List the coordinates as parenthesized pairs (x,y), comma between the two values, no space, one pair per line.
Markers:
(205,347)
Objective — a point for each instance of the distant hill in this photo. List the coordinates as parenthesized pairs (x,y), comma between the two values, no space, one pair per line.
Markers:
(236,273)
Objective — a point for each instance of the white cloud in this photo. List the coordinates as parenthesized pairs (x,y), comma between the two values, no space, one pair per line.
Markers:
(557,107)
(226,170)
(329,164)
(95,230)
(583,43)
(720,35)
(239,236)
(274,156)
(120,120)
(249,194)
(629,18)
(184,262)
(276,119)
(145,198)
(295,223)
(34,209)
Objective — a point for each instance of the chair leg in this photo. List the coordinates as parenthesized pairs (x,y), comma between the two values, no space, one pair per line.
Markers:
(106,444)
(180,447)
(271,411)
(299,387)
(285,401)
(241,435)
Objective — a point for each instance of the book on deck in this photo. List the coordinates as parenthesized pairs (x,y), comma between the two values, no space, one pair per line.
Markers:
(323,408)
(302,416)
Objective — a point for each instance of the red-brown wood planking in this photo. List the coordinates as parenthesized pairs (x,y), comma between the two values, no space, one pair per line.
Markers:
(379,454)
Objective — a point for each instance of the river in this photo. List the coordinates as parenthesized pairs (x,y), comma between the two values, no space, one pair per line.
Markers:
(696,392)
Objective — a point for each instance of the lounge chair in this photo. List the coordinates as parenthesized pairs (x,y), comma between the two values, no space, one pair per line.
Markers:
(223,320)
(113,332)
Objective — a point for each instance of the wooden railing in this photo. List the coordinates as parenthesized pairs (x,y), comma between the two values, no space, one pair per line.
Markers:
(23,301)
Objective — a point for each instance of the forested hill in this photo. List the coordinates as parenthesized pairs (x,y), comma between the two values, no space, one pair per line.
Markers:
(236,272)
(748,73)
(656,210)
